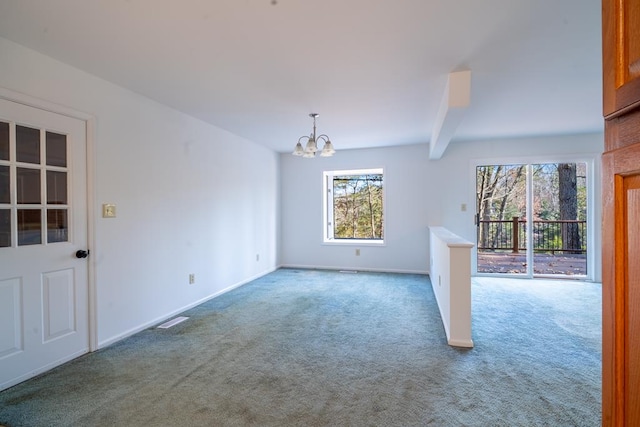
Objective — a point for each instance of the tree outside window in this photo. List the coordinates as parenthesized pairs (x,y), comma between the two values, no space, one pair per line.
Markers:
(355,205)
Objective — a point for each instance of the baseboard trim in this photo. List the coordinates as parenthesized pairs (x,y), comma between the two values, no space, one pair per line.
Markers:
(351,268)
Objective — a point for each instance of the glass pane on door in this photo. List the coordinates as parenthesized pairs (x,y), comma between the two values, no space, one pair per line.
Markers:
(29,227)
(57,225)
(4,141)
(559,225)
(5,228)
(501,205)
(56,188)
(27,145)
(28,186)
(5,195)
(56,149)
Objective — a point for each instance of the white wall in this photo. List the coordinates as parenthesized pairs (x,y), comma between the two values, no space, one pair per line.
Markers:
(191,198)
(408,206)
(419,193)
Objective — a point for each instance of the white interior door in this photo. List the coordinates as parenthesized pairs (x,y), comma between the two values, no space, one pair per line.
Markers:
(43,223)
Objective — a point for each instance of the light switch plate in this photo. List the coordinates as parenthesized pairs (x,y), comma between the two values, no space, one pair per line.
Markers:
(108,210)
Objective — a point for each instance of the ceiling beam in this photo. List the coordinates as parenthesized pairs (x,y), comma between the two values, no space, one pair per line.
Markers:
(456,99)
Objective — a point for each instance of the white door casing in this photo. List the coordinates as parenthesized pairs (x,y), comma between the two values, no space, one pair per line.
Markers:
(44,292)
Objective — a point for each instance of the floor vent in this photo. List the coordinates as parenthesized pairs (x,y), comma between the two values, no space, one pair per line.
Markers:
(172,322)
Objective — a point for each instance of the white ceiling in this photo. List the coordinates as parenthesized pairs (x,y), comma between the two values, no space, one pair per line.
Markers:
(375,70)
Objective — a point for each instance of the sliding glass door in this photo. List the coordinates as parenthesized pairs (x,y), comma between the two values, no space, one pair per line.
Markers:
(531,219)
(501,206)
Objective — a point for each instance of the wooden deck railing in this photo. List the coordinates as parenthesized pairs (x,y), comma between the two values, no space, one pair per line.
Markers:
(547,236)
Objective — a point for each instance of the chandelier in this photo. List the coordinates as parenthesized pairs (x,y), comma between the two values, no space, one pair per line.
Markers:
(311,146)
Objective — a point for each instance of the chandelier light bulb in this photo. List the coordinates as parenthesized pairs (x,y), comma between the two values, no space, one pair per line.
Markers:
(311,146)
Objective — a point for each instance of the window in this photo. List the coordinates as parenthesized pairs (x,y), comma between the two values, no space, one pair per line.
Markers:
(34,187)
(354,206)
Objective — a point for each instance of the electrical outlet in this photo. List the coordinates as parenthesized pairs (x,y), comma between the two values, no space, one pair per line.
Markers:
(357,252)
(192,279)
(257,257)
(463,207)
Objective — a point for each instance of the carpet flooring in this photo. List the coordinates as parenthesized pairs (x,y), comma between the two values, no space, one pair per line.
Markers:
(323,348)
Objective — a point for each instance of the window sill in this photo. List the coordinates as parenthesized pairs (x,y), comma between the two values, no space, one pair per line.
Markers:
(354,242)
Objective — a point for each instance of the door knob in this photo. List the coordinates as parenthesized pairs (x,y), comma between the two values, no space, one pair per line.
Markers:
(82,253)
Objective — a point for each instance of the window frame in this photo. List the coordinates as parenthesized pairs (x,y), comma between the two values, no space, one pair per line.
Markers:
(327,208)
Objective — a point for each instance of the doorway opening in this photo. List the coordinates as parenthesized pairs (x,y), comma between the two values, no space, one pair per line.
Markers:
(531,219)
